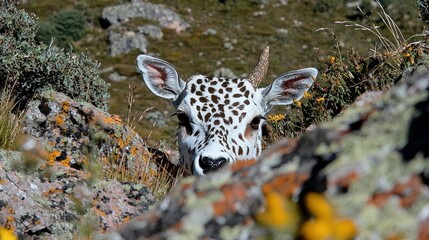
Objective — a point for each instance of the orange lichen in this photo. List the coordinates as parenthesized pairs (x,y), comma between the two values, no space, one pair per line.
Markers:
(59,119)
(237,165)
(346,180)
(51,191)
(113,119)
(423,229)
(65,162)
(53,156)
(133,151)
(100,212)
(280,213)
(233,194)
(408,192)
(10,220)
(285,184)
(66,106)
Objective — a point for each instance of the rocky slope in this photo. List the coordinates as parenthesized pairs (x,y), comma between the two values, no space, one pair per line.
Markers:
(363,175)
(63,179)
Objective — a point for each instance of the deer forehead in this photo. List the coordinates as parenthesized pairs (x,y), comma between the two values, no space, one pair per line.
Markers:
(216,97)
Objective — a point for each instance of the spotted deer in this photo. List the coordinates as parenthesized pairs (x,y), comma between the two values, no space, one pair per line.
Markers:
(220,119)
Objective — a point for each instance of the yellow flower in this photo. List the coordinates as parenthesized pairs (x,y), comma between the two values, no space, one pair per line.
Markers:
(320,100)
(332,60)
(297,102)
(307,95)
(6,234)
(276,118)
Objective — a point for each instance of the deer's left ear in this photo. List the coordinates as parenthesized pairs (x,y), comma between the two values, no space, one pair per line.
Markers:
(288,87)
(160,77)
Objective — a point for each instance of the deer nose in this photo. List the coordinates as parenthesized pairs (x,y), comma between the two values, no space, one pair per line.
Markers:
(210,164)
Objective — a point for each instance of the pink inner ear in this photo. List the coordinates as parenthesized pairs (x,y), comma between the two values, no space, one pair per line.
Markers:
(158,75)
(292,83)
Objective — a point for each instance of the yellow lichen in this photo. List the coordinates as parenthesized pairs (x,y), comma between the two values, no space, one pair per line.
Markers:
(280,213)
(7,234)
(319,206)
(325,224)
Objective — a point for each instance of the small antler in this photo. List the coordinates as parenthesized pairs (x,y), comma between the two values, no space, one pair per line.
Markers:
(258,74)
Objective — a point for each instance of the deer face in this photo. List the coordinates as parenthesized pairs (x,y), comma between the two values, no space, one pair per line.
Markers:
(220,119)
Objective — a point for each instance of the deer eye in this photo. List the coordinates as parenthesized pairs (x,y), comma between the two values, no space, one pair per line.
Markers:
(254,124)
(184,121)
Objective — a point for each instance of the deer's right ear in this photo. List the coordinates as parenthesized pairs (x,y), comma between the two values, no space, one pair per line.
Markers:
(160,77)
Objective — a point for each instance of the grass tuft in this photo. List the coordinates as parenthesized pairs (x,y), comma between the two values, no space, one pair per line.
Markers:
(10,123)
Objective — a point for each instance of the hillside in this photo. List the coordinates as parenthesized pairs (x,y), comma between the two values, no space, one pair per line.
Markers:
(229,35)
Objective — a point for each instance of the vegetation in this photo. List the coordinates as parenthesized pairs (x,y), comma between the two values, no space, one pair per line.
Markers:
(65,27)
(10,123)
(345,76)
(28,67)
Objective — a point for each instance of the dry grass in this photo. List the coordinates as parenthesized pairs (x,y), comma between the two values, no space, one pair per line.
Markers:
(392,46)
(10,123)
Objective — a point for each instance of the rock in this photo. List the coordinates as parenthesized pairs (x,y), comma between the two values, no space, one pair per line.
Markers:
(358,174)
(151,31)
(210,32)
(54,202)
(156,117)
(149,11)
(115,77)
(71,130)
(228,46)
(125,42)
(225,72)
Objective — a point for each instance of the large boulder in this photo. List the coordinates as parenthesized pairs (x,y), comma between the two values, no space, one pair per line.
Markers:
(363,175)
(75,133)
(166,17)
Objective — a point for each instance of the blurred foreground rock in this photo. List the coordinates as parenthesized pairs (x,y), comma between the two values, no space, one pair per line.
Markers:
(364,175)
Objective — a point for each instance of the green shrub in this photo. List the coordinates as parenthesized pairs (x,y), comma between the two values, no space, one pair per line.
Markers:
(33,67)
(327,5)
(66,26)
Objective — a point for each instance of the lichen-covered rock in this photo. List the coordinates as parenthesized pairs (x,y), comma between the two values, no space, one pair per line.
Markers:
(59,202)
(151,31)
(154,12)
(76,134)
(363,175)
(125,42)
